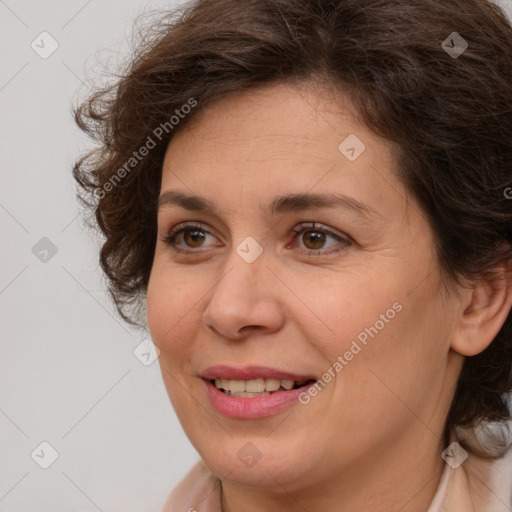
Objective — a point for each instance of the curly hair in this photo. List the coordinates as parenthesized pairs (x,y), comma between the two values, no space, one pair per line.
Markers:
(432,76)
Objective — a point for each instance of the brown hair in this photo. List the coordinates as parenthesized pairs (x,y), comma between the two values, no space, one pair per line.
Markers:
(449,115)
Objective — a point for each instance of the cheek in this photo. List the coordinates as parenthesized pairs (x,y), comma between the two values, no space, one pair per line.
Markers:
(386,337)
(401,365)
(172,317)
(352,310)
(171,310)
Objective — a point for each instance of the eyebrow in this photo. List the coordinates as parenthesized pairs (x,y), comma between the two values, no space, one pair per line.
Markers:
(278,205)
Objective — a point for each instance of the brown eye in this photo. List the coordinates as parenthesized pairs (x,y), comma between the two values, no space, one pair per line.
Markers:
(186,237)
(193,238)
(313,238)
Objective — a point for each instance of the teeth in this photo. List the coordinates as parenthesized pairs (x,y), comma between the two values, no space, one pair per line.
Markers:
(236,386)
(254,386)
(287,384)
(272,384)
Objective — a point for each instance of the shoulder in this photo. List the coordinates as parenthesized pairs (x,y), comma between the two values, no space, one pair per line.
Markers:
(482,484)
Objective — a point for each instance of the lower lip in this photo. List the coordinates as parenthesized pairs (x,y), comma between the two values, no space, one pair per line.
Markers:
(251,408)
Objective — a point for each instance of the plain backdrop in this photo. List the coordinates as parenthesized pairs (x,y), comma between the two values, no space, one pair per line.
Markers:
(73,394)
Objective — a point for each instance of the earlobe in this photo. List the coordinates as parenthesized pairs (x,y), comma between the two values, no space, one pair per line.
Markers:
(484,312)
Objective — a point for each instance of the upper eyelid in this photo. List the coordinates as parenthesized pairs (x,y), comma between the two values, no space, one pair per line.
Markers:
(188,225)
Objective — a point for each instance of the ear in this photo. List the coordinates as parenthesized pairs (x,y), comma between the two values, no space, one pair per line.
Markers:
(484,311)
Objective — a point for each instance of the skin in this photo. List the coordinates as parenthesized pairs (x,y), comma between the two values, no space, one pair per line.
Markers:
(372,438)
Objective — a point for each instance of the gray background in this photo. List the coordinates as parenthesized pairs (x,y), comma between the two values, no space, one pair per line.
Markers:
(68,374)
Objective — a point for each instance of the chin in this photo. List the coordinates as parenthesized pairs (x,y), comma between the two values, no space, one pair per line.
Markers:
(260,461)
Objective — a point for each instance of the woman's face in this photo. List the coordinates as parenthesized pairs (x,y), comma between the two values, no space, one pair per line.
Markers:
(356,297)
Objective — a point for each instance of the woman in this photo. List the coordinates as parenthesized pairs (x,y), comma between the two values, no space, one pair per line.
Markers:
(309,203)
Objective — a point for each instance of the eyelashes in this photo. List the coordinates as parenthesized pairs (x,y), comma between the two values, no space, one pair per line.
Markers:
(181,229)
(197,233)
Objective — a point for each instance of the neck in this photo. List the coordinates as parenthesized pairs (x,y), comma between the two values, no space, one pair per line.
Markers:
(401,476)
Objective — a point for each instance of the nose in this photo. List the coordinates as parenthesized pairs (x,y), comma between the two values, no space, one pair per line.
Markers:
(245,300)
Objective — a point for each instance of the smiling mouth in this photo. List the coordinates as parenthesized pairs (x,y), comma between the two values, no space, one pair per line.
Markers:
(256,387)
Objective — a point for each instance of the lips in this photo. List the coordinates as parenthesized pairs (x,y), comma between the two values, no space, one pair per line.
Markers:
(239,404)
(252,372)
(256,407)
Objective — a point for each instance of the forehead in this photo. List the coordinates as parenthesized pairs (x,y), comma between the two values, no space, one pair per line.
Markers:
(281,139)
(276,116)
